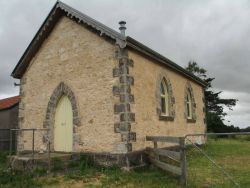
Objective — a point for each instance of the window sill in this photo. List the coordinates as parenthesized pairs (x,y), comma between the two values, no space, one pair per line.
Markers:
(166,118)
(191,120)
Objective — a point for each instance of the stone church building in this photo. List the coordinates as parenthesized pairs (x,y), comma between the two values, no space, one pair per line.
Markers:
(100,91)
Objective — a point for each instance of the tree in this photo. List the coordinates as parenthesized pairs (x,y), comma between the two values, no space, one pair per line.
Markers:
(247,129)
(214,104)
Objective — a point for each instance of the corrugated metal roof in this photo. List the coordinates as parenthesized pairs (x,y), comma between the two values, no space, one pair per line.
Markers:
(9,102)
(71,12)
(61,9)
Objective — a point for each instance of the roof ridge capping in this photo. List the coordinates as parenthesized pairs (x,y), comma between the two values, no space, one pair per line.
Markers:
(90,21)
(60,9)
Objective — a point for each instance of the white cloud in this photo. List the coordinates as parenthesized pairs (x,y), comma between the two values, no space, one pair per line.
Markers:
(240,114)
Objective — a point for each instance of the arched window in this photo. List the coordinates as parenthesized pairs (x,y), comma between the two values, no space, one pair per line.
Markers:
(164,98)
(189,105)
(164,91)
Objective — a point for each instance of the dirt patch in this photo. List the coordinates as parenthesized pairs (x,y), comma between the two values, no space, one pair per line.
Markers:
(79,183)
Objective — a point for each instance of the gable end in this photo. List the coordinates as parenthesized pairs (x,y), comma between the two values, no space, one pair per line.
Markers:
(60,9)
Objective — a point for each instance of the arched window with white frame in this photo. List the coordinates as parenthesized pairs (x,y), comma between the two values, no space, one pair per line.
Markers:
(164,92)
(164,98)
(189,105)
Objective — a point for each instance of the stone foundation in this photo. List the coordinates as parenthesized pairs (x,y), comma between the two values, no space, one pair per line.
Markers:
(24,161)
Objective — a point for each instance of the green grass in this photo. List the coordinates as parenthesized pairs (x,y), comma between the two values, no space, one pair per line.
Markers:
(233,154)
(115,177)
(3,158)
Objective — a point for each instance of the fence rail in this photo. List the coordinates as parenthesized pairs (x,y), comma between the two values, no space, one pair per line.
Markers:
(163,139)
(33,130)
(179,157)
(179,167)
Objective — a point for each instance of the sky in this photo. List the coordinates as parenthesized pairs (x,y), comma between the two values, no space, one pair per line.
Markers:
(214,33)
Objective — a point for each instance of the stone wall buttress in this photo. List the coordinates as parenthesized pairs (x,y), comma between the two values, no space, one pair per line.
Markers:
(123,90)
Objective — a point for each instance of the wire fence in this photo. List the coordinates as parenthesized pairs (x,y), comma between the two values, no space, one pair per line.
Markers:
(7,140)
(212,159)
(222,160)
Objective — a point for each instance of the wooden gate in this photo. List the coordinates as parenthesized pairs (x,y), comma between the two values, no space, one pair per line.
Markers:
(170,160)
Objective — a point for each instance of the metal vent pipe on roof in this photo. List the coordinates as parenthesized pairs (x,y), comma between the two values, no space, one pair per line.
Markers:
(122,27)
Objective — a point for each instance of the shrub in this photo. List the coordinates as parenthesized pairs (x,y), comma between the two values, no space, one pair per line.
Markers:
(11,178)
(86,162)
(57,164)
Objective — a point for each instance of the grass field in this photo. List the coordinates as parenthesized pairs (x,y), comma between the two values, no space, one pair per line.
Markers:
(232,154)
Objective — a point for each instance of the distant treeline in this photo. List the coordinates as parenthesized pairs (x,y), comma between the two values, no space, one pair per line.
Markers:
(222,128)
(245,129)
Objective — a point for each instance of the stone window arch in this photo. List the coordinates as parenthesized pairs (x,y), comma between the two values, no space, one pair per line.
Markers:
(164,97)
(189,104)
(60,90)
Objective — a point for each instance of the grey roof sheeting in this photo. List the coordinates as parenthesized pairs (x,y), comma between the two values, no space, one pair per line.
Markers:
(160,58)
(61,9)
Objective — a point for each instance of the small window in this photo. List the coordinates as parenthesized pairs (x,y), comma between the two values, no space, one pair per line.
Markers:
(164,98)
(189,105)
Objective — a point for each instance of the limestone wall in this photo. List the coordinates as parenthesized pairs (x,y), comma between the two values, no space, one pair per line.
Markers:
(84,62)
(146,73)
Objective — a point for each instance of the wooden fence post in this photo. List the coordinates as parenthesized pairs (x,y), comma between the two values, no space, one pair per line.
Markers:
(155,144)
(183,177)
(10,144)
(49,162)
(33,146)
